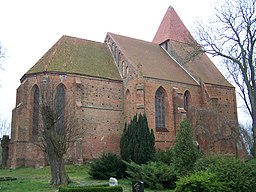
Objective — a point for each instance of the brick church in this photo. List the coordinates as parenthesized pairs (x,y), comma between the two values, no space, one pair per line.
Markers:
(108,83)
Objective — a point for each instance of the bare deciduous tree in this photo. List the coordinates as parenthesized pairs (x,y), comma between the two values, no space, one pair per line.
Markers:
(5,127)
(246,138)
(211,131)
(2,54)
(231,34)
(58,128)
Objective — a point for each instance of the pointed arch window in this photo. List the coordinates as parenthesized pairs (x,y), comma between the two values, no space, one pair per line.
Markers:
(60,108)
(160,108)
(187,99)
(35,110)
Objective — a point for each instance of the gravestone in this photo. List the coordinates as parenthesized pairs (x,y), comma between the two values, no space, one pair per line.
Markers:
(113,181)
(137,186)
(5,148)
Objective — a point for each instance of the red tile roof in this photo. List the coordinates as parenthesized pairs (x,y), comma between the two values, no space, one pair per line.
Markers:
(156,63)
(80,56)
(172,28)
(200,66)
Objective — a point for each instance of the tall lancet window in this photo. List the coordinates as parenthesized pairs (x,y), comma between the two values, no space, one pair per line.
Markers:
(60,108)
(160,108)
(35,110)
(187,99)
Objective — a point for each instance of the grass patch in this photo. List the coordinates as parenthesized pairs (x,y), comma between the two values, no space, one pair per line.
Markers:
(30,179)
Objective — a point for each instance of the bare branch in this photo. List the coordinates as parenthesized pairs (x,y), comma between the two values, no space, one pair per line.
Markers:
(58,127)
(232,36)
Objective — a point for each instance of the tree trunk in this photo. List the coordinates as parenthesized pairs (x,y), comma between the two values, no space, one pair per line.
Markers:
(56,161)
(58,171)
(54,149)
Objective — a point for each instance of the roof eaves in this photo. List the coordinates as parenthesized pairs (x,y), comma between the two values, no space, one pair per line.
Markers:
(67,73)
(181,66)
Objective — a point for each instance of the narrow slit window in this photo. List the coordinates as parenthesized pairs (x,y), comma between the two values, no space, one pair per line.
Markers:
(35,110)
(186,100)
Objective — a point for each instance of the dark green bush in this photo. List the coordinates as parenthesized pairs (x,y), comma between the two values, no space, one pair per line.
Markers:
(155,175)
(185,152)
(201,182)
(91,189)
(137,142)
(164,156)
(240,175)
(108,165)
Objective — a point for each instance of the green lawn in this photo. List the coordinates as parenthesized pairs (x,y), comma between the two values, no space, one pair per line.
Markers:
(29,179)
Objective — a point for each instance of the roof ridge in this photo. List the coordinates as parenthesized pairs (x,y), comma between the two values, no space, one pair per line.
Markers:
(79,38)
(133,38)
(123,51)
(183,68)
(55,47)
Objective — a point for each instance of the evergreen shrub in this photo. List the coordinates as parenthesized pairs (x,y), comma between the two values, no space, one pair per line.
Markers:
(164,156)
(108,165)
(240,175)
(201,182)
(137,141)
(155,175)
(185,152)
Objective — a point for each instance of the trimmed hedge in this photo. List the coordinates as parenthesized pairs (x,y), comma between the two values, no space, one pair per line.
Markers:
(92,189)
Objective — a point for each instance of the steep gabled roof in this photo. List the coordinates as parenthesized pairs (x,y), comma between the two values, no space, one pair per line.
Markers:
(171,28)
(156,63)
(181,42)
(78,56)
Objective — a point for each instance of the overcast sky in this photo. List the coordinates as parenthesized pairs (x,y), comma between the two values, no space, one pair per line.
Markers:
(29,28)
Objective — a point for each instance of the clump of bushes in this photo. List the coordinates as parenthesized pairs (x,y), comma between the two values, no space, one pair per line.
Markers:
(108,165)
(183,162)
(169,165)
(239,175)
(155,175)
(164,156)
(202,182)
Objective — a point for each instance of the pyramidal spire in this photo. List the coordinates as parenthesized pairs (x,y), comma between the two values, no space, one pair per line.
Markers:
(171,28)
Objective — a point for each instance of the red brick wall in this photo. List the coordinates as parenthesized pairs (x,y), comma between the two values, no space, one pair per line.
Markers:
(98,105)
(102,106)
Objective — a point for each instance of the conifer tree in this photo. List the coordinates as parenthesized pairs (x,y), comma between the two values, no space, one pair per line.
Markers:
(185,151)
(137,142)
